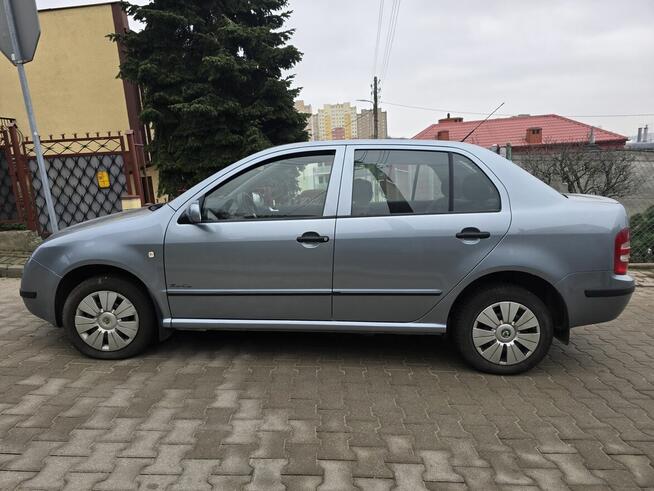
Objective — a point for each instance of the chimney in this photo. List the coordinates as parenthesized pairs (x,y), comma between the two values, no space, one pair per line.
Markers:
(591,136)
(645,130)
(534,136)
(443,135)
(640,135)
(450,119)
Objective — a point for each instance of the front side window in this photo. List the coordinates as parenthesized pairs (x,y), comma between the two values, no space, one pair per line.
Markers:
(289,187)
(391,182)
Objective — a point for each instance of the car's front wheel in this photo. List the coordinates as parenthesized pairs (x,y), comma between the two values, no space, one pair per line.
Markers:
(504,329)
(108,317)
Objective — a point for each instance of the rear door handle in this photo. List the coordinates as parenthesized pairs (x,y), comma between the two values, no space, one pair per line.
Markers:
(472,233)
(312,238)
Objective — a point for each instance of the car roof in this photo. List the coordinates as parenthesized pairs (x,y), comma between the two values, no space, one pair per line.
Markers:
(383,142)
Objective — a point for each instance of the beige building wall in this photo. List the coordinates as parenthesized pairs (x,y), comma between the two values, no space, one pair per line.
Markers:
(335,121)
(73,75)
(335,116)
(303,108)
(366,125)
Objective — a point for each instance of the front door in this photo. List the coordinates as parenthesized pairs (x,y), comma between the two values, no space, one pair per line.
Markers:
(411,224)
(264,248)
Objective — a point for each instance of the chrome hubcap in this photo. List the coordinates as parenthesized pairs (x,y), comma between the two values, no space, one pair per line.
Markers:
(106,320)
(506,333)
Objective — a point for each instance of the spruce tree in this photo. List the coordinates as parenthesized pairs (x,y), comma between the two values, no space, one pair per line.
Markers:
(212,78)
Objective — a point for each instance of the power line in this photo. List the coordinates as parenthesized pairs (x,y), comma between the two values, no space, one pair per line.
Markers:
(390,39)
(408,106)
(389,35)
(391,17)
(379,29)
(423,108)
(607,115)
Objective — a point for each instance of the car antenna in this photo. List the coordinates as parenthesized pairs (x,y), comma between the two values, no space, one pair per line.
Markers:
(482,122)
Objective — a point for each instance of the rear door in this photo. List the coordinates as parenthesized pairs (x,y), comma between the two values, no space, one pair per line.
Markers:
(412,222)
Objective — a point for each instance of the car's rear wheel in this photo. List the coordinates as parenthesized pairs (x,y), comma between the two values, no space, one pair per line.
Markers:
(504,329)
(108,317)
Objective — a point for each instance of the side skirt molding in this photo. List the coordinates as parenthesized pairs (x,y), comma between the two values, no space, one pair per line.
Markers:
(294,325)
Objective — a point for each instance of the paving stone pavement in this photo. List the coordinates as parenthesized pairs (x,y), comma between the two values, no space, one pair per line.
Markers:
(259,411)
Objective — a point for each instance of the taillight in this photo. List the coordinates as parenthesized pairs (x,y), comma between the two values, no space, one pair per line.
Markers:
(621,252)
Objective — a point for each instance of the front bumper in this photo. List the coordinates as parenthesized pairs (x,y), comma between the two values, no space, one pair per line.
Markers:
(596,296)
(38,287)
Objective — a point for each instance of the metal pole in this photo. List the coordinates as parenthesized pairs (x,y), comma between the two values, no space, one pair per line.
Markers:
(27,98)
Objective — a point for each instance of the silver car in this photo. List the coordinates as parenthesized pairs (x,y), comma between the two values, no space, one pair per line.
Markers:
(350,236)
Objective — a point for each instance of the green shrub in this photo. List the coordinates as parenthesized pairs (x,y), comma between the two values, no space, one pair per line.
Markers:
(12,226)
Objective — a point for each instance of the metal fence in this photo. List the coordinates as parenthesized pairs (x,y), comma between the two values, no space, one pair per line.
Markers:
(640,207)
(637,196)
(8,208)
(642,236)
(89,175)
(72,165)
(15,188)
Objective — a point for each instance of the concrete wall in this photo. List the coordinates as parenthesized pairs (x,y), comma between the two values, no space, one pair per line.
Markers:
(73,75)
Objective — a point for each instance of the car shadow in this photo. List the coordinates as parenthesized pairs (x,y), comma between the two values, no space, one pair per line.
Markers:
(433,350)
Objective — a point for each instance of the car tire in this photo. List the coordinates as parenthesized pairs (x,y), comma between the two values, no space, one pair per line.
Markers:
(494,331)
(130,319)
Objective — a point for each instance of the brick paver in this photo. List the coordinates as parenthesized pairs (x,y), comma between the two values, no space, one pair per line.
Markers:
(260,411)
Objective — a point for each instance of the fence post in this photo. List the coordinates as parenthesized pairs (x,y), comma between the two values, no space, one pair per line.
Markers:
(133,165)
(24,179)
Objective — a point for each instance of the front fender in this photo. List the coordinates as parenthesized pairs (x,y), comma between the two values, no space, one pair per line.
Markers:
(133,245)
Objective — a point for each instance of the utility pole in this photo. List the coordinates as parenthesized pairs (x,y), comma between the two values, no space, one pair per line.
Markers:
(375,108)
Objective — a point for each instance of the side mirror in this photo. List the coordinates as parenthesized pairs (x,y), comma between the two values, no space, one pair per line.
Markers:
(194,213)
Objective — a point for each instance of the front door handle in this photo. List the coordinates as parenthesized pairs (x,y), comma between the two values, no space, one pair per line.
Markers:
(312,238)
(472,233)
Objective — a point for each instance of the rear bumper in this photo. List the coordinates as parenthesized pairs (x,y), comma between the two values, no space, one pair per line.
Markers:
(37,289)
(610,292)
(594,297)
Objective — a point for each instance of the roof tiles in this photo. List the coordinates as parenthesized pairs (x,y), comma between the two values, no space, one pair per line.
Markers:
(555,129)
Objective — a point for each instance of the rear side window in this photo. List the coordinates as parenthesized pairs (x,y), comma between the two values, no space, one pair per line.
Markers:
(392,182)
(473,190)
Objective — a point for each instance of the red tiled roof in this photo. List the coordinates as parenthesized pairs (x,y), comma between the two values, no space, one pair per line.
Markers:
(555,129)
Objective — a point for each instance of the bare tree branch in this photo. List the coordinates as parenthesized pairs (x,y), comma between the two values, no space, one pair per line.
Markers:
(581,168)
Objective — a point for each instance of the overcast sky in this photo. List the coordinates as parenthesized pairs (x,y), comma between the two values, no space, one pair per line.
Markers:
(587,57)
(572,58)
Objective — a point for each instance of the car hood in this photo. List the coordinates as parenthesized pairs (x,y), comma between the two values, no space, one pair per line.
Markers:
(101,222)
